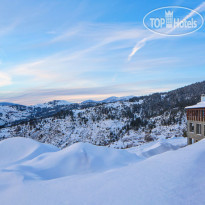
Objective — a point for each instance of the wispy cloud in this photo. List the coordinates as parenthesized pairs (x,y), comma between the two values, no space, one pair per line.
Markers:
(154,36)
(201,7)
(68,65)
(9,28)
(142,43)
(81,57)
(5,79)
(35,96)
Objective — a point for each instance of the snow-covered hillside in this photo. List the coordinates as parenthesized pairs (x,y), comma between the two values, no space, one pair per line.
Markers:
(11,113)
(116,122)
(88,174)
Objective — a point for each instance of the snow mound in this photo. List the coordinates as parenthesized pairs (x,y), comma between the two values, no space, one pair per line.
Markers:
(171,178)
(18,149)
(158,148)
(153,148)
(79,158)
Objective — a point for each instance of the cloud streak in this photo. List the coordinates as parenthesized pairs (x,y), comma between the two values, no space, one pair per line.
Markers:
(151,37)
(32,97)
(71,63)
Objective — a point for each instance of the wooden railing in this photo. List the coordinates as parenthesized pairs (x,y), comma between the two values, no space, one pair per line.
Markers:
(196,114)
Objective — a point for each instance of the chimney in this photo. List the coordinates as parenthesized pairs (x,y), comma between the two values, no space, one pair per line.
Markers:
(203,98)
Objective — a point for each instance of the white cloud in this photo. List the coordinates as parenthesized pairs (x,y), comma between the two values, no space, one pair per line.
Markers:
(68,65)
(142,43)
(5,79)
(9,28)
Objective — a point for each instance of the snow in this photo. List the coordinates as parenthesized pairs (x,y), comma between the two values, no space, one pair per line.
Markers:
(15,150)
(198,105)
(89,101)
(53,103)
(92,126)
(115,99)
(9,113)
(79,158)
(87,174)
(103,124)
(157,147)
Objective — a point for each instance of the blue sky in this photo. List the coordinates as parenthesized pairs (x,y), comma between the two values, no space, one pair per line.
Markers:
(78,50)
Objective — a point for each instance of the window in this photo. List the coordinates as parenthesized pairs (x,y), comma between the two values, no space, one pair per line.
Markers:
(198,129)
(191,127)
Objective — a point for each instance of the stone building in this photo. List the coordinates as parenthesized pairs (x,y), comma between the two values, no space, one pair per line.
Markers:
(196,121)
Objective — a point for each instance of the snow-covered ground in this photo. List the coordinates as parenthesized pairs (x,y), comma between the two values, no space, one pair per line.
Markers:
(155,173)
(9,114)
(157,147)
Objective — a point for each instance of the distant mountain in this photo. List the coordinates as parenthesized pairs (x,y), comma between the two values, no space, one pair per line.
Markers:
(7,104)
(89,102)
(108,100)
(13,114)
(53,104)
(115,99)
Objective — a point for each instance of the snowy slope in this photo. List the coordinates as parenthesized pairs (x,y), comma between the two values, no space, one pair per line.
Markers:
(119,122)
(108,124)
(52,104)
(11,113)
(79,158)
(16,150)
(174,177)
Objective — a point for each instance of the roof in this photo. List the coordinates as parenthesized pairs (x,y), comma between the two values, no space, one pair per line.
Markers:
(198,105)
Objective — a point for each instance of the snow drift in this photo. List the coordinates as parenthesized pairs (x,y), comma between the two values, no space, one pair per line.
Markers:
(37,160)
(175,177)
(18,149)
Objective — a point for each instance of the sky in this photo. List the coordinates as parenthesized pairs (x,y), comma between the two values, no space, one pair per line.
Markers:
(77,50)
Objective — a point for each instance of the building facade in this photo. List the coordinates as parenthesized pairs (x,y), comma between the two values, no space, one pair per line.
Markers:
(196,121)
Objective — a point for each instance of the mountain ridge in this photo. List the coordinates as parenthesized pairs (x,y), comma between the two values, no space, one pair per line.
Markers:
(121,124)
